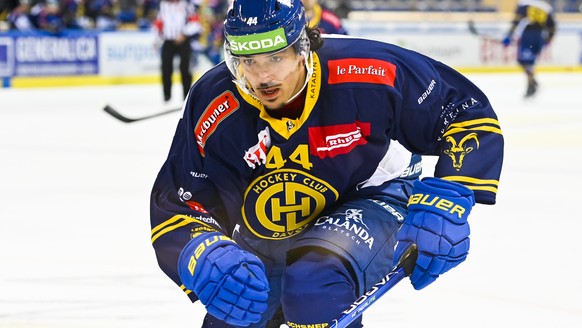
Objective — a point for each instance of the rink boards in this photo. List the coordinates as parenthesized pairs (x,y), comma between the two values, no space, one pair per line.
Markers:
(105,58)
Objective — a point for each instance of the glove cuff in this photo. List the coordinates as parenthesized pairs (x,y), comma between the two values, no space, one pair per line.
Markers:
(449,199)
(196,251)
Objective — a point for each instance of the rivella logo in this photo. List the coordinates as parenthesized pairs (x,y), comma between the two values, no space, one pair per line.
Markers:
(257,43)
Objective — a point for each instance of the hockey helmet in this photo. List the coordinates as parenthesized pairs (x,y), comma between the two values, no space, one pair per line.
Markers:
(254,27)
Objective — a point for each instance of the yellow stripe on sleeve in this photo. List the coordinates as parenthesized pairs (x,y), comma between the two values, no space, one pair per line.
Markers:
(482,124)
(474,183)
(174,223)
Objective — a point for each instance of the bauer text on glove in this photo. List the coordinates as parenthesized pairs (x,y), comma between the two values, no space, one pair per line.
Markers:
(228,280)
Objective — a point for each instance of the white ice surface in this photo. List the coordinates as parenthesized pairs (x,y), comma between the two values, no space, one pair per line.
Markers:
(74,219)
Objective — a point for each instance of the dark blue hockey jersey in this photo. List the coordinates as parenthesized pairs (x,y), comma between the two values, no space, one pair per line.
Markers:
(232,166)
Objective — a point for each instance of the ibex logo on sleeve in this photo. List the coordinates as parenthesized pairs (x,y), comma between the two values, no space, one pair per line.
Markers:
(458,151)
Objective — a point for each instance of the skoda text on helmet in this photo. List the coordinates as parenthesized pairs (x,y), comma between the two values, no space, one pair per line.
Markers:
(260,27)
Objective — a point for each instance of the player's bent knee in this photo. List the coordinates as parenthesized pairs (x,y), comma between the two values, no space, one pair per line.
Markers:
(316,287)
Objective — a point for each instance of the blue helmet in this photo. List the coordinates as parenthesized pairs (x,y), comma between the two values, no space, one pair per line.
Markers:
(255,27)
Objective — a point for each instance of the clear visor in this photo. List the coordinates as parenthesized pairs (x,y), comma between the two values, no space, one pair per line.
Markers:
(277,64)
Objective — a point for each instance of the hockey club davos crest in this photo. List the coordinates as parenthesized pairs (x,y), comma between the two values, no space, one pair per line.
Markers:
(281,204)
(219,109)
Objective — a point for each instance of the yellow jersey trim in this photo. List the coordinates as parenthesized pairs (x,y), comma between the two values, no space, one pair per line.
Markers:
(286,127)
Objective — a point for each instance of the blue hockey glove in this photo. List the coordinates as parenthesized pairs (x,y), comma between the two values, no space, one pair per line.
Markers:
(228,280)
(506,41)
(437,224)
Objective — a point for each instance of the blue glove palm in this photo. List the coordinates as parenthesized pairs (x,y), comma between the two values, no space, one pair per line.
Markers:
(228,280)
(437,224)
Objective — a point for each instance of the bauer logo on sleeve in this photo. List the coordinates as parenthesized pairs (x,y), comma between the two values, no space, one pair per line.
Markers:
(219,109)
(361,70)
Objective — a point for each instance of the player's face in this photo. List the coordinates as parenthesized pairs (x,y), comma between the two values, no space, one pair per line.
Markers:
(274,78)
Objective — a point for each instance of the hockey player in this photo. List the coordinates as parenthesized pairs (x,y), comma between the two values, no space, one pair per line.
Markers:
(324,19)
(533,26)
(284,183)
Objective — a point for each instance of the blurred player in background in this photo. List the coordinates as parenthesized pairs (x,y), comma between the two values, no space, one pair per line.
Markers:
(175,25)
(534,27)
(325,20)
(211,41)
(49,17)
(21,18)
(288,183)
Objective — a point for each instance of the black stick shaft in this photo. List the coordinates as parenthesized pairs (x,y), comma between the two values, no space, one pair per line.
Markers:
(111,111)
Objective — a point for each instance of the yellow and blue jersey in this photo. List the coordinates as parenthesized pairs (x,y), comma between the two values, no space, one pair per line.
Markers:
(231,166)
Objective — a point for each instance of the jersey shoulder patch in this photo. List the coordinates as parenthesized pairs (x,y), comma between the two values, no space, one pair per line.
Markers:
(219,109)
(361,70)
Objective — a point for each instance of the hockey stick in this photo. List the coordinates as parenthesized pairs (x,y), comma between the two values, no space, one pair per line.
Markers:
(473,30)
(403,269)
(109,110)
